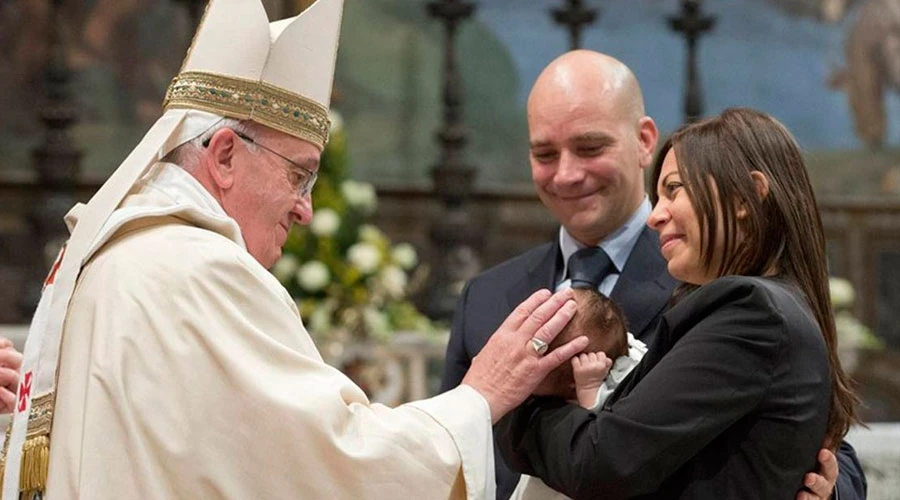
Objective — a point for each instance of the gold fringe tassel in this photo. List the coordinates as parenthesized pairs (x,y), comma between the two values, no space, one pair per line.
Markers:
(3,454)
(35,463)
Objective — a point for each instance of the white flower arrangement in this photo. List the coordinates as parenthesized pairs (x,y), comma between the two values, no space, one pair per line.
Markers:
(393,280)
(404,255)
(360,195)
(313,276)
(325,222)
(285,268)
(377,323)
(371,234)
(319,315)
(842,293)
(851,332)
(347,278)
(364,256)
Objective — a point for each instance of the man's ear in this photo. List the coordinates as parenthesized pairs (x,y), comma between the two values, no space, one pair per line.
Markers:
(762,190)
(648,134)
(220,158)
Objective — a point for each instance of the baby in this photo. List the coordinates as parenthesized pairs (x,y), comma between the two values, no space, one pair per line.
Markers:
(601,320)
(592,376)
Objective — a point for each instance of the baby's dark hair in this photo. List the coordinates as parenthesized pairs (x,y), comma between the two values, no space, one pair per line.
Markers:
(601,320)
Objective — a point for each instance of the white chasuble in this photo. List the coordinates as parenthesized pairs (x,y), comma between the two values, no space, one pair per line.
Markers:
(192,376)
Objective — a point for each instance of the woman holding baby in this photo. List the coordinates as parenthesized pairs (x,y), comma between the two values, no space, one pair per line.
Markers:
(743,384)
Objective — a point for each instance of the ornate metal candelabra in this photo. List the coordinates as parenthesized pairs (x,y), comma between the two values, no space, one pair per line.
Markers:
(453,235)
(693,24)
(575,17)
(57,163)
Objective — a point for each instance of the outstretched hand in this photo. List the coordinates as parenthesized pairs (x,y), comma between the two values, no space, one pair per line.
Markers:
(821,484)
(10,363)
(509,368)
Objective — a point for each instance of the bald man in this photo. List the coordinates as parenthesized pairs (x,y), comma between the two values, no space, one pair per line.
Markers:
(590,141)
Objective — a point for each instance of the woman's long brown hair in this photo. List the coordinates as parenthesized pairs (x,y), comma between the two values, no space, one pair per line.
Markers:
(782,230)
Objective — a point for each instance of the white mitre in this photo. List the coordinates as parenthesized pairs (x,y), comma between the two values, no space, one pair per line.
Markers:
(277,74)
(239,66)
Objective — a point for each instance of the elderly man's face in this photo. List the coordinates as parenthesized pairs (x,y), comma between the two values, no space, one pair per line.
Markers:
(267,198)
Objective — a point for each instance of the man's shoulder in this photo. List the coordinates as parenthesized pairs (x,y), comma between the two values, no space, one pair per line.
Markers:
(175,259)
(170,244)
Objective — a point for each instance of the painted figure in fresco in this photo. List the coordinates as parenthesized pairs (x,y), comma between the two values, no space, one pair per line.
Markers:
(873,67)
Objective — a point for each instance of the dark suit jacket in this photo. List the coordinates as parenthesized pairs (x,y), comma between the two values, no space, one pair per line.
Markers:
(731,401)
(642,291)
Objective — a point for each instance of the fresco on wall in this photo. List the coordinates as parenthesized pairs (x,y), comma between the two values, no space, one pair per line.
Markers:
(389,79)
(830,69)
(122,54)
(797,59)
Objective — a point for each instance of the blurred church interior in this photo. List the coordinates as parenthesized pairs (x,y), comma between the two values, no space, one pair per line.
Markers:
(430,97)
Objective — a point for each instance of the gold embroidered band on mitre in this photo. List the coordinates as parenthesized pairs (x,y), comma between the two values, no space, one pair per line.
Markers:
(35,450)
(243,99)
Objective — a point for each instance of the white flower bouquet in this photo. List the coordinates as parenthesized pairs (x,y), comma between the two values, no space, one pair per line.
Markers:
(349,280)
(851,332)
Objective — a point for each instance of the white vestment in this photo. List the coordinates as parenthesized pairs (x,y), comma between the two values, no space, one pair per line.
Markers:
(186,372)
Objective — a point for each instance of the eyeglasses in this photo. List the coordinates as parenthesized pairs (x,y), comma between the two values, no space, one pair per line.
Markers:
(302,178)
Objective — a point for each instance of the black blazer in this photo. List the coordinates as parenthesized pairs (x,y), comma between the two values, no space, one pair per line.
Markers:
(731,401)
(642,291)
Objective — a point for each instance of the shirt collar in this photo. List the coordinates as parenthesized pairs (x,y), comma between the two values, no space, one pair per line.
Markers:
(182,188)
(624,364)
(185,190)
(617,245)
